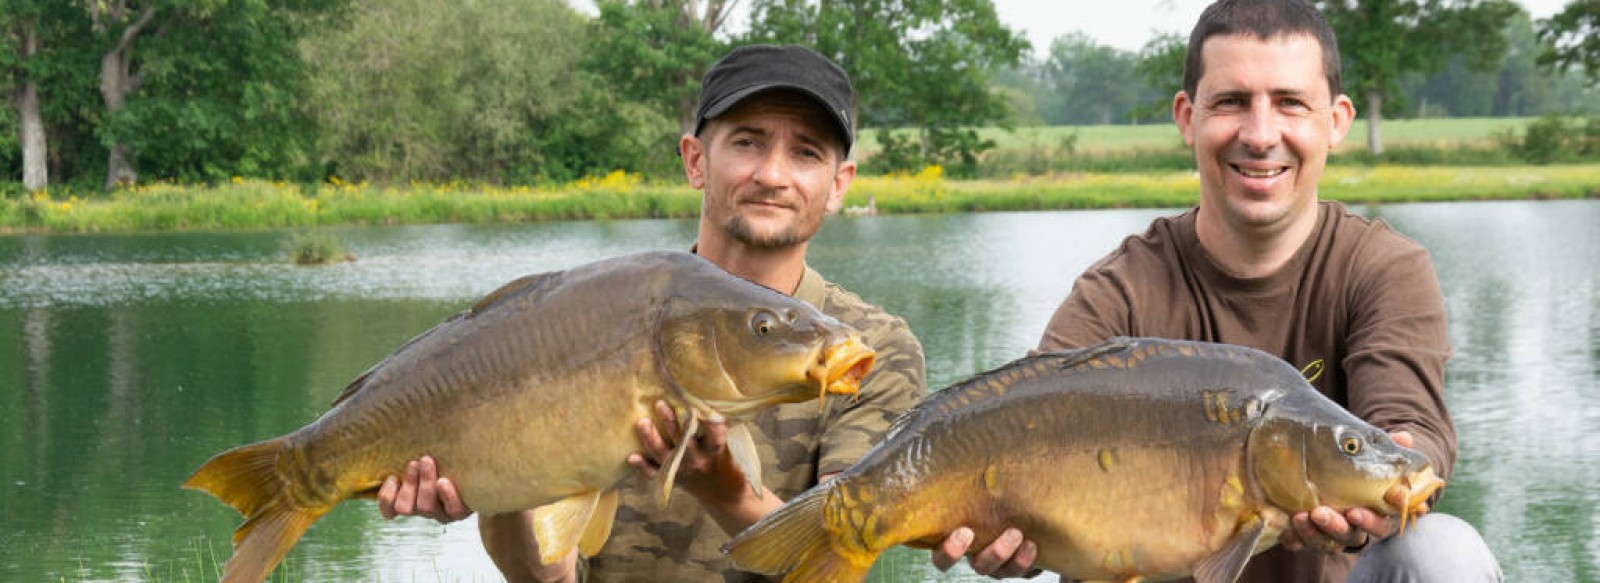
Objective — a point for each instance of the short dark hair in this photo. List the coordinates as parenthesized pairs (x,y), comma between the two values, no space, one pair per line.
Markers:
(1266,20)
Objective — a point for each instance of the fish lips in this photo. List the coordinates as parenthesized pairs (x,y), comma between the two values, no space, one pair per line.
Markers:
(1410,496)
(841,366)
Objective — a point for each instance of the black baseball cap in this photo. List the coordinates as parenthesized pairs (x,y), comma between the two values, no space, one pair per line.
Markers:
(754,69)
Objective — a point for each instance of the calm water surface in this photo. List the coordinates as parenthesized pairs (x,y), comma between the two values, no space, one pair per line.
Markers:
(125,361)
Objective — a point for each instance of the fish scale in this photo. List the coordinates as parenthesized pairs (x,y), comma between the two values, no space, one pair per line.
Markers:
(488,392)
(1134,458)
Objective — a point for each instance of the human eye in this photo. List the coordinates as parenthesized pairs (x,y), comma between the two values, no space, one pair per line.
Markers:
(1292,102)
(1227,102)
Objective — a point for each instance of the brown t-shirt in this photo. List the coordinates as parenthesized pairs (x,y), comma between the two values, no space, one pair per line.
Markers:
(1357,297)
(797,443)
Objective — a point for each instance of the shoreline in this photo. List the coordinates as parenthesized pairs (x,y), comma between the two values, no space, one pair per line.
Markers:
(247,204)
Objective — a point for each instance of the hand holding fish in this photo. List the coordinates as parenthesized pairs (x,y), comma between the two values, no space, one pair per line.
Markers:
(707,471)
(421,492)
(1010,555)
(1326,530)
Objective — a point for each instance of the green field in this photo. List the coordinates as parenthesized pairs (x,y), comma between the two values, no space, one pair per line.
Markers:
(1405,132)
(1123,138)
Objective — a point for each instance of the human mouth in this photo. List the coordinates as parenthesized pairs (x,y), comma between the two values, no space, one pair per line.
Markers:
(1259,172)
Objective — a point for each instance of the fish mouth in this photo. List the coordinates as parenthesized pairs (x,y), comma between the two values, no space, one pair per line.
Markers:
(841,366)
(1411,495)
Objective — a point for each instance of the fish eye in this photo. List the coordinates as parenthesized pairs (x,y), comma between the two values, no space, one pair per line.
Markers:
(1350,445)
(762,323)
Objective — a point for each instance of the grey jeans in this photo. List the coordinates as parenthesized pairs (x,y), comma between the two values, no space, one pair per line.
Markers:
(1440,549)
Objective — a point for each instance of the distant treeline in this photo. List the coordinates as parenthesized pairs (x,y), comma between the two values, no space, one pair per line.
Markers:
(522,92)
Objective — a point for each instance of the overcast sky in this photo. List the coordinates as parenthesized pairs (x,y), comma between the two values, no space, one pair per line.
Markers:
(1125,24)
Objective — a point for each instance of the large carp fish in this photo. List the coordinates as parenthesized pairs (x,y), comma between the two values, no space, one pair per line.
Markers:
(1134,459)
(529,399)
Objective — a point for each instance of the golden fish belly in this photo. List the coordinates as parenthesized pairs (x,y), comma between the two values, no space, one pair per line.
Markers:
(514,450)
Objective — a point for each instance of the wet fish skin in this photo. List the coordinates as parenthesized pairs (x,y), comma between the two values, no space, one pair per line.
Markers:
(1135,458)
(529,398)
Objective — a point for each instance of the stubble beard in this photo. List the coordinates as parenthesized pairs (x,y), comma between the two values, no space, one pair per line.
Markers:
(741,231)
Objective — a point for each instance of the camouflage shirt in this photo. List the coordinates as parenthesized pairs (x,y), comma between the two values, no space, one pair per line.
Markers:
(797,443)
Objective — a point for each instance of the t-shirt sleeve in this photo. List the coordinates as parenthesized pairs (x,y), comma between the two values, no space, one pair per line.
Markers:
(1096,309)
(897,382)
(1397,347)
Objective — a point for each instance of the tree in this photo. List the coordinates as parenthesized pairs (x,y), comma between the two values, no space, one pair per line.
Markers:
(1160,67)
(1381,40)
(490,90)
(920,64)
(37,39)
(1092,83)
(201,89)
(21,34)
(1572,39)
(655,51)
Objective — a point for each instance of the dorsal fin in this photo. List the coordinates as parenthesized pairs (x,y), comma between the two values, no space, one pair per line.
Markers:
(525,285)
(1066,359)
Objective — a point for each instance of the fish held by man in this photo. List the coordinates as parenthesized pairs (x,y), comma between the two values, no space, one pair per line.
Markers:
(1135,459)
(529,398)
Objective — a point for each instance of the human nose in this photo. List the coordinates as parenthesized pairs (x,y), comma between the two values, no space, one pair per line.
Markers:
(773,170)
(1260,131)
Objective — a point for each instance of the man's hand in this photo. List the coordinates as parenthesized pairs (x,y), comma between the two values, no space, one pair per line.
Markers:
(707,470)
(1008,556)
(1325,530)
(421,492)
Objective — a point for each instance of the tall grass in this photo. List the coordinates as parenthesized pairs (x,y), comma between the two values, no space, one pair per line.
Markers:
(251,204)
(929,192)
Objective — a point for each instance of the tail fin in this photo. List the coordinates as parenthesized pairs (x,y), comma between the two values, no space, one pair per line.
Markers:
(794,539)
(247,479)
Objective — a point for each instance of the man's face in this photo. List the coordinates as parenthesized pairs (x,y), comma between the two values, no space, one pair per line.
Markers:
(1261,124)
(769,169)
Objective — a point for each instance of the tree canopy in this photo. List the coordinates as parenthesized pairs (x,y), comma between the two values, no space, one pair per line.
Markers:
(106,92)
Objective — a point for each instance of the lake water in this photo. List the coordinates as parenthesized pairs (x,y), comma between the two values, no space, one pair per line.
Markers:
(126,360)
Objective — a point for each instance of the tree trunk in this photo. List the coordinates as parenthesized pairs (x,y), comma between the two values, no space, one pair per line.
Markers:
(35,171)
(116,82)
(1374,118)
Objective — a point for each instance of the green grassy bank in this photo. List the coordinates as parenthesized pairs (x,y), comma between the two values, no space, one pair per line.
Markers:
(247,204)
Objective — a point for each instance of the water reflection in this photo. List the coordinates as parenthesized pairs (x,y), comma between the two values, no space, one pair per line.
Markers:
(127,360)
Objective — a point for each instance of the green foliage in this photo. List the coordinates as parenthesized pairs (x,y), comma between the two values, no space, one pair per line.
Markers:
(919,64)
(422,90)
(316,248)
(1160,66)
(1381,40)
(654,53)
(1517,86)
(1556,138)
(217,88)
(1089,83)
(1572,39)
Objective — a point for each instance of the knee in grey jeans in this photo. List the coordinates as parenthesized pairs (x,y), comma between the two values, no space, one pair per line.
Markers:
(1440,549)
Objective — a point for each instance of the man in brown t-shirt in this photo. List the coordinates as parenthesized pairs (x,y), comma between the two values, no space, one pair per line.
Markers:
(1261,262)
(771,152)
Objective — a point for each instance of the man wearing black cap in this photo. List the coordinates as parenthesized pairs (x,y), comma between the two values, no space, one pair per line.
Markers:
(770,151)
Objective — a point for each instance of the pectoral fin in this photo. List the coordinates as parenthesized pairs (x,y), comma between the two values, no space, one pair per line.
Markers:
(1225,565)
(599,527)
(560,525)
(743,448)
(671,475)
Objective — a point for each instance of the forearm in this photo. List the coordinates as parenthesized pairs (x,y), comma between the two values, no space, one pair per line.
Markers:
(510,542)
(736,513)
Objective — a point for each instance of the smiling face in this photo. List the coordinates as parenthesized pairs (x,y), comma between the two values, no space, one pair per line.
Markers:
(769,169)
(1261,122)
